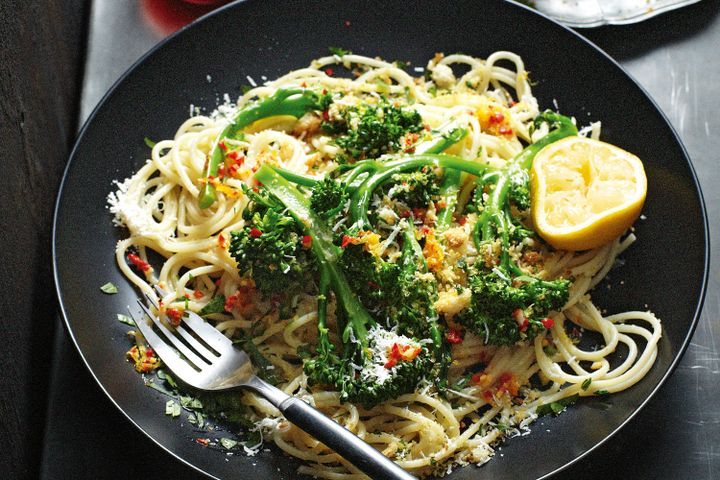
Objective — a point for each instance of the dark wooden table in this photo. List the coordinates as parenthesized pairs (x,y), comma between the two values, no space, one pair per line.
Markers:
(71,430)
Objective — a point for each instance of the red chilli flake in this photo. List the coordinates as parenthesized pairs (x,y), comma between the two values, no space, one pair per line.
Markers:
(231,301)
(326,115)
(329,72)
(454,336)
(197,294)
(548,322)
(221,241)
(236,157)
(497,117)
(346,240)
(462,220)
(255,233)
(505,130)
(306,241)
(139,263)
(475,378)
(222,146)
(174,315)
(203,441)
(347,23)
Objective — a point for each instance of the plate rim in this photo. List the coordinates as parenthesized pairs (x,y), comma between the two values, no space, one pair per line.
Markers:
(238,4)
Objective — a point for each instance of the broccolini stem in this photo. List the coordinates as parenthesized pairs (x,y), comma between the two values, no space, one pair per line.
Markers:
(449,190)
(324,345)
(293,101)
(414,260)
(447,140)
(450,186)
(496,217)
(297,178)
(361,197)
(326,253)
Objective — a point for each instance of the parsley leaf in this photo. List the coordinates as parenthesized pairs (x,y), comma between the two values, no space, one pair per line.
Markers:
(340,52)
(109,288)
(216,305)
(172,408)
(586,383)
(149,142)
(228,443)
(556,408)
(126,320)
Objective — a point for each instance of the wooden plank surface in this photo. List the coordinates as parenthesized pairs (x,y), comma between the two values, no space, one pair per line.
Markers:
(41,53)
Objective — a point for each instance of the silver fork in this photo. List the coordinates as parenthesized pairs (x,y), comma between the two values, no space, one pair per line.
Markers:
(213,363)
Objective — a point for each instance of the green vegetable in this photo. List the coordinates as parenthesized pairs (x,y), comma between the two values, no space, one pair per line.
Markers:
(293,101)
(328,198)
(500,307)
(269,247)
(125,319)
(228,443)
(263,368)
(415,189)
(149,142)
(586,384)
(557,407)
(380,173)
(109,288)
(354,321)
(172,408)
(509,305)
(602,392)
(340,52)
(215,305)
(370,131)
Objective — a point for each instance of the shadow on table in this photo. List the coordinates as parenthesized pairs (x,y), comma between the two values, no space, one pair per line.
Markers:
(625,42)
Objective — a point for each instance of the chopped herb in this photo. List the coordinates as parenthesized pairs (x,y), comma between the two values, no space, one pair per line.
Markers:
(190,402)
(602,392)
(216,305)
(340,52)
(172,408)
(126,320)
(228,443)
(109,288)
(149,142)
(303,351)
(245,88)
(556,408)
(163,375)
(550,350)
(586,384)
(200,419)
(265,369)
(159,388)
(401,64)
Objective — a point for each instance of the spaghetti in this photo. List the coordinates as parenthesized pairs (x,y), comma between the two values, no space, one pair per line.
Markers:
(426,431)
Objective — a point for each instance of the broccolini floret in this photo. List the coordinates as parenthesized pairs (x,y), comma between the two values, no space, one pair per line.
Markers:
(415,189)
(328,198)
(270,249)
(507,304)
(373,363)
(370,131)
(504,311)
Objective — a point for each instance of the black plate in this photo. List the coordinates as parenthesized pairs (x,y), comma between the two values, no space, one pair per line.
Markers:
(666,269)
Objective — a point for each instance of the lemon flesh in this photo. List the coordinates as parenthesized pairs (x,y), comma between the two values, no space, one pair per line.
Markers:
(585,192)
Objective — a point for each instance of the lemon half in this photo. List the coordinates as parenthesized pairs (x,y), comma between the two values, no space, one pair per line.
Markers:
(585,192)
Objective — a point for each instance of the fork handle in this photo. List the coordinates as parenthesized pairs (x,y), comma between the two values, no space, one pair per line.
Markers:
(345,443)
